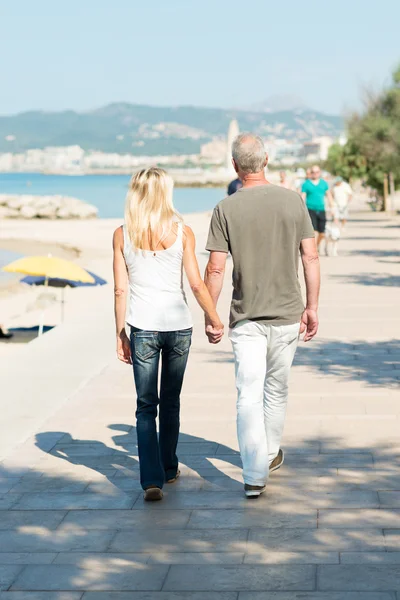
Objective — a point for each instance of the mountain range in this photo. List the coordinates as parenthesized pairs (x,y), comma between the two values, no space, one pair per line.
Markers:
(150,130)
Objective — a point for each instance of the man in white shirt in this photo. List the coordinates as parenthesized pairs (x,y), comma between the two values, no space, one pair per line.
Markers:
(342,195)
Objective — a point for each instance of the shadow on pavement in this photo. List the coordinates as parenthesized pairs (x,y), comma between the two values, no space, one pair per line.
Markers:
(375,253)
(375,279)
(376,363)
(68,531)
(119,464)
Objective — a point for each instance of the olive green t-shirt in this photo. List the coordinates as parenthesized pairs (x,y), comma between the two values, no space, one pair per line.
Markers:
(262,227)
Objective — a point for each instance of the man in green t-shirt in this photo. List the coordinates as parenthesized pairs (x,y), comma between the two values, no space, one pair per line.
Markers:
(314,191)
(264,227)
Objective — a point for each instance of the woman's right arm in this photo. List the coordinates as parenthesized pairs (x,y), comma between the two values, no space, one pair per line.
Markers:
(198,286)
(120,293)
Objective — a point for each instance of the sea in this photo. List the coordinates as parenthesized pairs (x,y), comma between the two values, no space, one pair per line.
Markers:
(106,192)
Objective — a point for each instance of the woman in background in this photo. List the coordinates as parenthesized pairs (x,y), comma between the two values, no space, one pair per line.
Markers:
(150,252)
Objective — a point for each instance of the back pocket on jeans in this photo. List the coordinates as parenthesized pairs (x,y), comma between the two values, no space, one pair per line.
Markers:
(144,345)
(183,340)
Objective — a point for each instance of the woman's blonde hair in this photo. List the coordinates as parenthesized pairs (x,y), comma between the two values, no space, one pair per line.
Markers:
(149,209)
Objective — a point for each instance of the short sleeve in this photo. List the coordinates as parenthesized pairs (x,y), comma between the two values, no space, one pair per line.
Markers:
(326,186)
(304,186)
(306,226)
(218,240)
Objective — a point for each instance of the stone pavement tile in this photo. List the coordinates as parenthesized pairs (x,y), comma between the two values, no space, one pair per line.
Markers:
(206,462)
(181,540)
(240,577)
(323,498)
(392,539)
(27,558)
(73,472)
(333,460)
(84,449)
(304,540)
(223,449)
(45,484)
(316,596)
(260,556)
(163,596)
(248,518)
(212,468)
(7,484)
(195,500)
(96,560)
(202,448)
(377,479)
(220,483)
(70,501)
(360,578)
(8,573)
(111,486)
(39,539)
(71,577)
(9,500)
(13,519)
(196,558)
(128,519)
(380,517)
(359,558)
(41,596)
(390,498)
(101,463)
(131,483)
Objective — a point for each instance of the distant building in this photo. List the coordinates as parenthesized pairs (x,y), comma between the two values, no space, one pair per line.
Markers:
(214,151)
(317,149)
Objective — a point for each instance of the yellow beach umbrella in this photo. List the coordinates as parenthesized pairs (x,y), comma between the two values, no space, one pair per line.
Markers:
(50,267)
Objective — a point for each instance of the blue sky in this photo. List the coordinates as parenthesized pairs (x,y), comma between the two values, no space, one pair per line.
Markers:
(82,54)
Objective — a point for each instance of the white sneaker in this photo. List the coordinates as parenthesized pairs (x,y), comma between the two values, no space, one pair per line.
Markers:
(254,491)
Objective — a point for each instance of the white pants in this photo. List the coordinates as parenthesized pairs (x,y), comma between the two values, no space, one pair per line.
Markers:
(263,357)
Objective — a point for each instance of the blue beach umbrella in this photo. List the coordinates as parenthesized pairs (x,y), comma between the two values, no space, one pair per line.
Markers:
(62,283)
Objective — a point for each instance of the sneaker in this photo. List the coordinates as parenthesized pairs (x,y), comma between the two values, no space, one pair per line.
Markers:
(253,491)
(277,462)
(153,494)
(173,479)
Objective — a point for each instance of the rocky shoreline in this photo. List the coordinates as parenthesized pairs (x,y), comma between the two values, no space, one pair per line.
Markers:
(27,206)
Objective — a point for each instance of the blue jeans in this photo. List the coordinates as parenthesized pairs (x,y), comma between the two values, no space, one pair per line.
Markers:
(157,456)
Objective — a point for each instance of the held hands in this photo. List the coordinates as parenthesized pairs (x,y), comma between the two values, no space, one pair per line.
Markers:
(124,348)
(214,331)
(309,324)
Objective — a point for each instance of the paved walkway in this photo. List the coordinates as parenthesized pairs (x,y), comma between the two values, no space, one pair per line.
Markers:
(73,523)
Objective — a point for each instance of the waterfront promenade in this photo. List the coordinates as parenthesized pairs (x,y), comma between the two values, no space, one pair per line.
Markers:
(73,523)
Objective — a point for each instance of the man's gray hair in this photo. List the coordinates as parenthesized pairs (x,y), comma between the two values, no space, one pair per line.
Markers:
(249,153)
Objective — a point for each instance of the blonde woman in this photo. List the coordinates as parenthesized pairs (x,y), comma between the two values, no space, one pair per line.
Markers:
(150,252)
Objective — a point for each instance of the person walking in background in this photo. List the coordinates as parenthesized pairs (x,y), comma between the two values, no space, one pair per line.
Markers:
(263,226)
(150,251)
(234,186)
(342,195)
(314,191)
(283,180)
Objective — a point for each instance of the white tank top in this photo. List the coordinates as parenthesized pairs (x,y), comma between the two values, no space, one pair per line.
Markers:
(157,301)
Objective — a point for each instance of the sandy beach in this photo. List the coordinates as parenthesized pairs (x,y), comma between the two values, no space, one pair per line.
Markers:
(88,243)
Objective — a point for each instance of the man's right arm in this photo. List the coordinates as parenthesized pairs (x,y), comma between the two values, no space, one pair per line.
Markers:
(310,260)
(214,280)
(214,275)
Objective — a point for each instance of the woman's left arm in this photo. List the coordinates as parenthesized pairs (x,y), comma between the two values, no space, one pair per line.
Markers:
(120,293)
